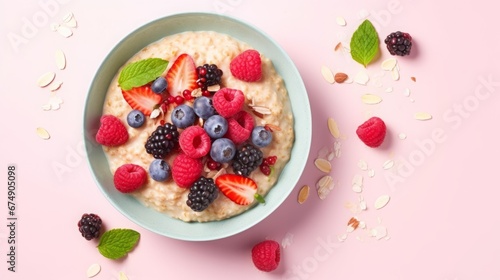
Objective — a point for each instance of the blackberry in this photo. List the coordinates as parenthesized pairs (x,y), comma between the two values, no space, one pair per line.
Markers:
(201,194)
(398,43)
(247,159)
(208,75)
(164,139)
(90,226)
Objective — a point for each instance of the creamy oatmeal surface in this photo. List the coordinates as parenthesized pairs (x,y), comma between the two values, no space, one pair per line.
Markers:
(269,92)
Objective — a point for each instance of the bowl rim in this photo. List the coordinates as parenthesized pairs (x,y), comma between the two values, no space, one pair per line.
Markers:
(306,134)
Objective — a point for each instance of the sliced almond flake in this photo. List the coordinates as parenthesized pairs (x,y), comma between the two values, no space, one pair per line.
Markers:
(324,186)
(371,99)
(60,59)
(45,79)
(272,127)
(357,180)
(341,21)
(331,156)
(413,79)
(323,165)
(55,102)
(406,92)
(327,74)
(196,92)
(64,31)
(122,276)
(382,201)
(362,205)
(71,23)
(323,152)
(287,240)
(93,270)
(342,237)
(67,17)
(362,165)
(402,136)
(333,128)
(55,86)
(303,194)
(349,229)
(361,78)
(422,116)
(357,188)
(337,148)
(389,64)
(155,113)
(362,225)
(353,222)
(212,88)
(379,232)
(338,46)
(262,110)
(46,107)
(389,89)
(42,133)
(371,173)
(388,164)
(395,73)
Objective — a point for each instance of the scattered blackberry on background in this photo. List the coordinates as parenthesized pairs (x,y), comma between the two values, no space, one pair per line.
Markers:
(208,75)
(201,194)
(90,226)
(247,159)
(164,139)
(398,43)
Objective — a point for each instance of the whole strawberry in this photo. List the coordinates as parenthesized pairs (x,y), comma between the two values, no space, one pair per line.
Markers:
(372,132)
(247,66)
(112,131)
(266,255)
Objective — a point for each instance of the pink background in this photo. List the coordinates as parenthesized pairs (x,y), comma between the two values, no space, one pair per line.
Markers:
(442,218)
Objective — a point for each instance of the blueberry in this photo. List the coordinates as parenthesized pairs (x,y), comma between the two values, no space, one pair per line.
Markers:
(261,137)
(215,126)
(203,107)
(223,150)
(159,170)
(135,118)
(183,116)
(159,85)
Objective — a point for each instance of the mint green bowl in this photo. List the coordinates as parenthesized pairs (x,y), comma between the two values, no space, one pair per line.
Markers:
(151,32)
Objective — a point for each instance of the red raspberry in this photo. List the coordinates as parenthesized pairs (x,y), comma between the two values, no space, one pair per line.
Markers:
(228,102)
(266,255)
(129,177)
(195,142)
(186,170)
(239,127)
(112,131)
(247,66)
(372,132)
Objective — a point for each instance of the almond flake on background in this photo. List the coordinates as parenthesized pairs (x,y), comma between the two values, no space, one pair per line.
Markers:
(371,173)
(406,92)
(70,21)
(362,206)
(340,77)
(413,79)
(402,136)
(327,74)
(389,64)
(342,238)
(122,276)
(65,31)
(388,164)
(333,128)
(382,201)
(395,74)
(338,46)
(303,194)
(341,21)
(422,116)
(42,133)
(323,165)
(337,148)
(378,232)
(324,186)
(362,165)
(361,78)
(287,240)
(93,270)
(53,104)
(389,89)
(371,99)
(45,79)
(353,224)
(60,59)
(357,183)
(55,86)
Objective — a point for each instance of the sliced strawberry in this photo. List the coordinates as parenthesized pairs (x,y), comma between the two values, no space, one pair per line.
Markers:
(142,98)
(182,75)
(240,189)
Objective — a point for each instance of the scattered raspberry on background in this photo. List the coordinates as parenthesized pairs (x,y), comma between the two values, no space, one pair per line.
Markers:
(266,255)
(372,132)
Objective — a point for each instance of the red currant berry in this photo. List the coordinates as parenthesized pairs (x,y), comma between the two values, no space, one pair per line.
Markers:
(170,99)
(179,100)
(162,122)
(206,93)
(271,160)
(265,169)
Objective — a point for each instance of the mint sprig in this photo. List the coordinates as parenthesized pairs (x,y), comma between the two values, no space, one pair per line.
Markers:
(116,243)
(364,43)
(141,72)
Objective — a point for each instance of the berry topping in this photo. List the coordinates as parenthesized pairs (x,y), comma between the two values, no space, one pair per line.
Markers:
(247,66)
(261,137)
(398,43)
(228,101)
(159,170)
(372,132)
(89,226)
(135,119)
(162,141)
(216,126)
(203,107)
(159,85)
(112,132)
(266,255)
(208,75)
(202,194)
(239,189)
(223,150)
(186,170)
(240,127)
(129,177)
(266,165)
(183,116)
(271,160)
(212,164)
(182,75)
(195,142)
(247,159)
(142,98)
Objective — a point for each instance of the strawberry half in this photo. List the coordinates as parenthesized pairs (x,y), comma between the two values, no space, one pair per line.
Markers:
(182,75)
(240,189)
(142,98)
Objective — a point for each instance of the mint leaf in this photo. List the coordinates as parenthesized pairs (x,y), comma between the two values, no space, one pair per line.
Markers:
(116,243)
(141,72)
(364,43)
